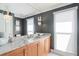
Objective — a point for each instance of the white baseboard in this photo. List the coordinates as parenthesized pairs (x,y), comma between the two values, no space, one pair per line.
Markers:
(64,53)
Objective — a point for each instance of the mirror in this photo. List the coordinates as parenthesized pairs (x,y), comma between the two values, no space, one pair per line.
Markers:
(2,25)
(6,28)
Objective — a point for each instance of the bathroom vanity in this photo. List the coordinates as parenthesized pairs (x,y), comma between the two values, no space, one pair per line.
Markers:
(24,46)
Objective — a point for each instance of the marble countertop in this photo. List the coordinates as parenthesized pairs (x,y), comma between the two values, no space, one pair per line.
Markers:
(20,42)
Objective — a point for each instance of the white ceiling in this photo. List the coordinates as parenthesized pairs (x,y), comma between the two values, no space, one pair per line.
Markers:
(23,10)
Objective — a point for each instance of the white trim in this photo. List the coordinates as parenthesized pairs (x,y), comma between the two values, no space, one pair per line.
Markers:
(65,10)
(64,53)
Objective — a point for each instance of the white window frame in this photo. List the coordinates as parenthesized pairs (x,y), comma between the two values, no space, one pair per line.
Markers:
(30,32)
(75,22)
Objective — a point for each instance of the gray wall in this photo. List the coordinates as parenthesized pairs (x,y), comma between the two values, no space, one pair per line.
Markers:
(47,24)
(22,26)
(47,18)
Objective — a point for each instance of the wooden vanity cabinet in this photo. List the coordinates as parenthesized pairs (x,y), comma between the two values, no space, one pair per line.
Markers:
(31,49)
(44,47)
(47,46)
(40,48)
(26,50)
(16,52)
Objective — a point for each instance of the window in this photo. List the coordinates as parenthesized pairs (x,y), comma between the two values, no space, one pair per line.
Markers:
(30,26)
(65,31)
(63,35)
(17,27)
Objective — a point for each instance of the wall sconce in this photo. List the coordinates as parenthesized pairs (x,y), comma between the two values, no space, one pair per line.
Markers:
(7,17)
(39,21)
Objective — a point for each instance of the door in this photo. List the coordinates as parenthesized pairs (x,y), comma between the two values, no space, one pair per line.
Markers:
(41,51)
(47,46)
(32,49)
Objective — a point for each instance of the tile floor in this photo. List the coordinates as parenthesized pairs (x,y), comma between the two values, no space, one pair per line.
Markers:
(53,54)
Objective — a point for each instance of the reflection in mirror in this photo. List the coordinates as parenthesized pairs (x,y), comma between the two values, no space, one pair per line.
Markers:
(1,34)
(2,25)
(6,28)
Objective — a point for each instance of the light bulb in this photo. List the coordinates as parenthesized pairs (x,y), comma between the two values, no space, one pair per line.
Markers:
(7,18)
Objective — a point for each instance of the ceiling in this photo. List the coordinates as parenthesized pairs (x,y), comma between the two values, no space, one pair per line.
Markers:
(23,10)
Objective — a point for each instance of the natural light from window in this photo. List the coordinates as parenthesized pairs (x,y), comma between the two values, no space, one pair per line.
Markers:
(65,31)
(30,26)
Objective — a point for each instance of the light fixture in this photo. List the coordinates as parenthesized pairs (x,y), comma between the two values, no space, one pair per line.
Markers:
(39,18)
(39,21)
(7,17)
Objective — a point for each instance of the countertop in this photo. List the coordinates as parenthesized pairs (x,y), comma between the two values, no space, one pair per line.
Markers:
(20,42)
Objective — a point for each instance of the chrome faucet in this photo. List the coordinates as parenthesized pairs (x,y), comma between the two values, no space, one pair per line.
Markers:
(10,39)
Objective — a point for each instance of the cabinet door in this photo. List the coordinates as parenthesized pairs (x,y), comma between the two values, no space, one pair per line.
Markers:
(41,48)
(47,46)
(26,50)
(32,49)
(17,52)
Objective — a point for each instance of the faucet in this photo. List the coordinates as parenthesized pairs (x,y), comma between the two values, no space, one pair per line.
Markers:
(10,39)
